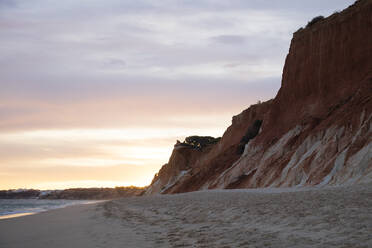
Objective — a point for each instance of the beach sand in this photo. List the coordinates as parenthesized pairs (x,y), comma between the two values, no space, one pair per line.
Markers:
(305,217)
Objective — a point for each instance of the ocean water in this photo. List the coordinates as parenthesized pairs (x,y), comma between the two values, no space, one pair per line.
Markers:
(15,207)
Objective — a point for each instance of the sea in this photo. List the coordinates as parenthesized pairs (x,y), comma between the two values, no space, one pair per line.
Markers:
(10,208)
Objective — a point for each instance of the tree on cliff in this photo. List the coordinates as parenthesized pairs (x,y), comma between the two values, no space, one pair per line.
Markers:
(201,141)
(314,20)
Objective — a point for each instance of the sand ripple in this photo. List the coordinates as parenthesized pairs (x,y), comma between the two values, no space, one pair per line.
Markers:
(328,217)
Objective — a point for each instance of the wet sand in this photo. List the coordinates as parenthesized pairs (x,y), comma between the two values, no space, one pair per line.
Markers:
(306,217)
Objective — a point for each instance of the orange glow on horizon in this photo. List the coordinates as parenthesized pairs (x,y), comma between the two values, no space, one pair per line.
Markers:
(84,158)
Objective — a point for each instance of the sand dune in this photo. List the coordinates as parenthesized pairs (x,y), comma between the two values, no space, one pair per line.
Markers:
(305,217)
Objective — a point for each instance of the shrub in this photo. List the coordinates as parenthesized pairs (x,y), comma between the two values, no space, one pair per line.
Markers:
(201,141)
(314,20)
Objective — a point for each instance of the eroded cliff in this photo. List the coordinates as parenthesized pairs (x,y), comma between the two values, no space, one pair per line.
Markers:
(316,131)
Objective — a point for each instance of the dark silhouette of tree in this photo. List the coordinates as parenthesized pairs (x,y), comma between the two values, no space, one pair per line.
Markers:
(314,20)
(201,141)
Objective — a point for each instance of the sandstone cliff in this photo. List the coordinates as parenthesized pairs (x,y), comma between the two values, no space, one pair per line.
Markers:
(316,131)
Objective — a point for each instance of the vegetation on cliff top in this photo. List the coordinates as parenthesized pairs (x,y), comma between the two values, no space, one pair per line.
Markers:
(314,20)
(198,142)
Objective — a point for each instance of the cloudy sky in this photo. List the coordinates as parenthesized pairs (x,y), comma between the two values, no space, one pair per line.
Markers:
(95,93)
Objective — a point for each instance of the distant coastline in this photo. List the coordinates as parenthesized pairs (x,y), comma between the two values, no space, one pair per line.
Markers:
(73,193)
(13,208)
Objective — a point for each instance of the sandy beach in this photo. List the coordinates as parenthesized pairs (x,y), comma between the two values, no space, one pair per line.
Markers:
(305,217)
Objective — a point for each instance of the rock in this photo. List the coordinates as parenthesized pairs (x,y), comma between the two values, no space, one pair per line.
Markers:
(316,131)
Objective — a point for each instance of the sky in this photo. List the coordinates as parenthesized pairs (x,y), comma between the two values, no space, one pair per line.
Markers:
(96,93)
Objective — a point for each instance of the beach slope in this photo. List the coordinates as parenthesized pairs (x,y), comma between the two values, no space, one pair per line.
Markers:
(75,226)
(302,217)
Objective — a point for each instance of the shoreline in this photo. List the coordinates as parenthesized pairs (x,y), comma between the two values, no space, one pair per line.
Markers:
(248,190)
(17,215)
(42,208)
(336,216)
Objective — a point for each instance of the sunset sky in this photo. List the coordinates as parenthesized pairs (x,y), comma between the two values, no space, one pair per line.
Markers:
(95,93)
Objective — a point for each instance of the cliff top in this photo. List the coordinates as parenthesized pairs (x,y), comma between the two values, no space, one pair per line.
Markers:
(336,17)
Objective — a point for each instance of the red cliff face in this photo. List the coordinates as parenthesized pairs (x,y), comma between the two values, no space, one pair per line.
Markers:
(316,131)
(210,165)
(326,65)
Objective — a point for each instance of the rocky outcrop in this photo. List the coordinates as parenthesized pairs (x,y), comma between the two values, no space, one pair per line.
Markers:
(189,168)
(316,131)
(180,163)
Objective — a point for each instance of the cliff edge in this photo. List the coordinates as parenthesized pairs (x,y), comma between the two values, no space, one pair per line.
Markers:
(316,131)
